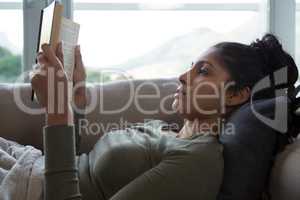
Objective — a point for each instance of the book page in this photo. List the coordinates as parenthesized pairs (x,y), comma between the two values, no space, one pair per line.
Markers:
(69,33)
(46,25)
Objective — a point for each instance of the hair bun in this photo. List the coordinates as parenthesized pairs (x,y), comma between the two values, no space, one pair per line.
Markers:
(268,42)
(270,49)
(274,57)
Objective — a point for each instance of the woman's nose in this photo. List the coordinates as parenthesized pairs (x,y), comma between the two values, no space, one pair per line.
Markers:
(184,78)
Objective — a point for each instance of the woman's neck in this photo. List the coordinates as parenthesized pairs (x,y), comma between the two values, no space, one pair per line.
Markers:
(200,126)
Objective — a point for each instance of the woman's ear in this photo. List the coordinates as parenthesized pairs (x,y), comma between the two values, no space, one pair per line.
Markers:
(234,98)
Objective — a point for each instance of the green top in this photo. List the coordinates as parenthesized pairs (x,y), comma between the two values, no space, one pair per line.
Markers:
(142,163)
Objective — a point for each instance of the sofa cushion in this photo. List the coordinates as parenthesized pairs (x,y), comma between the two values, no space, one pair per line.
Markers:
(285,179)
(115,104)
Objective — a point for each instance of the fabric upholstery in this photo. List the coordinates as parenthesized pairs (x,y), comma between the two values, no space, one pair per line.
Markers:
(285,179)
(25,128)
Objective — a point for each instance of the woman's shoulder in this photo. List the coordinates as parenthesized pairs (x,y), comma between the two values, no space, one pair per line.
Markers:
(151,127)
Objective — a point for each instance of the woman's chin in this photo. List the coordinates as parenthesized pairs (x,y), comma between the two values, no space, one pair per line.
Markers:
(177,107)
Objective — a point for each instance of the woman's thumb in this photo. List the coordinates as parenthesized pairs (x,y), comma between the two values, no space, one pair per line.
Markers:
(50,55)
(78,57)
(59,52)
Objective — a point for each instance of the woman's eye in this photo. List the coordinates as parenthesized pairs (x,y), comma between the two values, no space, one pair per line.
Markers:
(203,70)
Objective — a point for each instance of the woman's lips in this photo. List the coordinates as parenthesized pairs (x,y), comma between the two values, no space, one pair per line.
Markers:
(179,93)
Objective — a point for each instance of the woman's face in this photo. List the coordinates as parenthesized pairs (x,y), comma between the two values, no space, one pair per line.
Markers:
(202,89)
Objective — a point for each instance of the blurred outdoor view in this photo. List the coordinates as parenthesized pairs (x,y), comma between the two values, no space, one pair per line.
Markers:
(146,42)
(160,43)
(11,43)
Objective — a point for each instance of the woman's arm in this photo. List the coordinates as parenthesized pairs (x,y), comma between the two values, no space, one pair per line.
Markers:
(50,83)
(80,96)
(61,171)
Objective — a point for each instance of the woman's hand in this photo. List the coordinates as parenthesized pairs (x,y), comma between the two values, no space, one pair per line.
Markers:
(79,80)
(49,82)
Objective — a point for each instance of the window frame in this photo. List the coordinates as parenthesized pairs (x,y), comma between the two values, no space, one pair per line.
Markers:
(281,18)
(10,5)
(282,22)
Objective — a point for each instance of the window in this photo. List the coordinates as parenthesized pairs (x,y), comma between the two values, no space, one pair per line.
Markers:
(160,39)
(11,39)
(297,55)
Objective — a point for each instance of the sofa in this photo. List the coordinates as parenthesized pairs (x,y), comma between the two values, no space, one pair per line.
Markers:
(114,106)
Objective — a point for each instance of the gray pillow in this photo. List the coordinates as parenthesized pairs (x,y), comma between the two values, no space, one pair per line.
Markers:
(249,152)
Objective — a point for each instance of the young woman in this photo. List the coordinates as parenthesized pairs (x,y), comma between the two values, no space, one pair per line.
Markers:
(144,162)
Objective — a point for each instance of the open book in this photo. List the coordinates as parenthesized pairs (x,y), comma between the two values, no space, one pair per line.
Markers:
(55,28)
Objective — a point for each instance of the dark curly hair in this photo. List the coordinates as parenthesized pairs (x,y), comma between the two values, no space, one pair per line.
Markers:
(248,64)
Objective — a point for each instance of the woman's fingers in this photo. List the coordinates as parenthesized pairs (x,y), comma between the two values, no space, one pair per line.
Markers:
(41,59)
(79,66)
(50,55)
(46,80)
(59,53)
(78,57)
(37,69)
